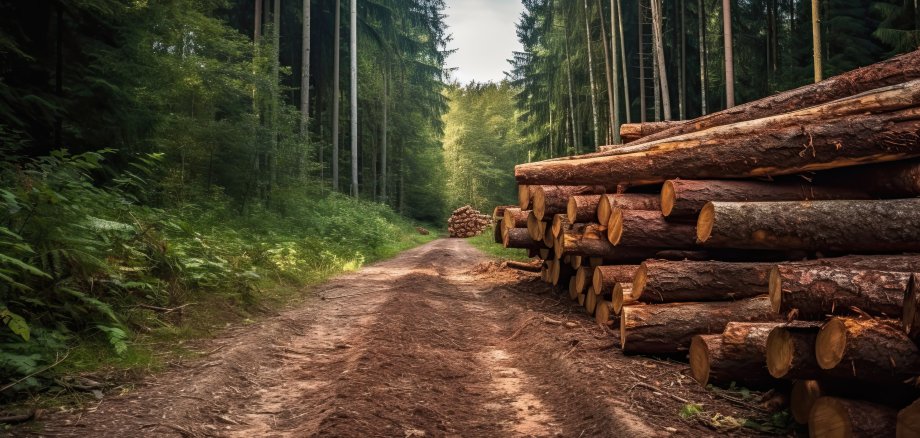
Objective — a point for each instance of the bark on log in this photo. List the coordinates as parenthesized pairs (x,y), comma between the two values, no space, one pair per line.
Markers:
(648,228)
(659,281)
(606,277)
(520,238)
(890,72)
(626,201)
(685,198)
(593,243)
(791,351)
(520,266)
(806,392)
(560,223)
(668,328)
(910,317)
(535,227)
(630,132)
(621,297)
(515,218)
(583,208)
(877,127)
(550,200)
(811,292)
(839,417)
(852,226)
(908,422)
(498,213)
(737,355)
(899,179)
(869,350)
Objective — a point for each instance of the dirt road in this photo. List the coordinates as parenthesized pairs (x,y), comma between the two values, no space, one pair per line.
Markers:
(438,341)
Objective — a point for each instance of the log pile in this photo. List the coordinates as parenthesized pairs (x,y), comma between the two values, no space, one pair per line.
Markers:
(767,243)
(467,222)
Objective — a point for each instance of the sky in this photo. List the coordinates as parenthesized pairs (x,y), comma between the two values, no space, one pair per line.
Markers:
(484,36)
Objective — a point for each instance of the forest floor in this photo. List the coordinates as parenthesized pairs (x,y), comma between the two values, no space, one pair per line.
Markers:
(439,341)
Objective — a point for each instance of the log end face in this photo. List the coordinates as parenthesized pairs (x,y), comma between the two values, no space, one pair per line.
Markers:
(571,211)
(538,202)
(775,289)
(577,262)
(829,418)
(831,343)
(602,313)
(909,421)
(780,352)
(639,280)
(619,300)
(705,222)
(699,360)
(573,289)
(581,277)
(624,317)
(667,198)
(603,210)
(523,196)
(615,227)
(803,397)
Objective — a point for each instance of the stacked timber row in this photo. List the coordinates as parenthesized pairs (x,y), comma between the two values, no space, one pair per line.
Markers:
(467,222)
(772,243)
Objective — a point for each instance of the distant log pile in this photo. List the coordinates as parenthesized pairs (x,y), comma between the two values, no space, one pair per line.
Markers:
(773,241)
(467,222)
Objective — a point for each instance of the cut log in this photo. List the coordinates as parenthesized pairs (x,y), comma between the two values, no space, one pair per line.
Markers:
(576,261)
(561,273)
(622,296)
(839,417)
(737,355)
(515,218)
(548,238)
(659,281)
(813,291)
(685,198)
(602,313)
(604,278)
(520,238)
(630,132)
(582,276)
(583,208)
(535,227)
(591,301)
(910,317)
(908,422)
(560,223)
(791,351)
(889,72)
(880,126)
(593,243)
(626,201)
(573,291)
(804,395)
(853,226)
(866,349)
(497,232)
(898,179)
(648,228)
(545,253)
(498,213)
(550,200)
(547,271)
(520,266)
(581,299)
(525,194)
(668,328)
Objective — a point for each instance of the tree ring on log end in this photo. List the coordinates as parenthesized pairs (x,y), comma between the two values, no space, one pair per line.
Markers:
(780,352)
(803,397)
(775,289)
(699,360)
(603,210)
(705,222)
(624,316)
(615,226)
(573,290)
(618,298)
(523,196)
(539,202)
(667,198)
(581,278)
(831,343)
(828,418)
(639,280)
(571,211)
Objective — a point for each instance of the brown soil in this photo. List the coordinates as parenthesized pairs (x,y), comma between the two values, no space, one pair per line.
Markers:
(438,341)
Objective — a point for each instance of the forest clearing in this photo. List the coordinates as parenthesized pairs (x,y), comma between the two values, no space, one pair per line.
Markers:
(477,218)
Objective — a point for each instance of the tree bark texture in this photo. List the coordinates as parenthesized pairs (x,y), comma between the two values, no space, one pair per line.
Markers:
(660,281)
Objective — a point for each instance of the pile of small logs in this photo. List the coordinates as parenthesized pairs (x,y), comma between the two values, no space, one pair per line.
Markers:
(467,222)
(769,244)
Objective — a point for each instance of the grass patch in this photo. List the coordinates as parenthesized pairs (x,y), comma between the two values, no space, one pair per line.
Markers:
(485,242)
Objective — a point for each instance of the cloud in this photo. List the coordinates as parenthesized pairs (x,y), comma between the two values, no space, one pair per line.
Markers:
(484,36)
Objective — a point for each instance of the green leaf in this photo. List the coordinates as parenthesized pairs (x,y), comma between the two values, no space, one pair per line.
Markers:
(15,322)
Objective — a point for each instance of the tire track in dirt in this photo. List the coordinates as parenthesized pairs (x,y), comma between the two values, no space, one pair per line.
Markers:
(419,345)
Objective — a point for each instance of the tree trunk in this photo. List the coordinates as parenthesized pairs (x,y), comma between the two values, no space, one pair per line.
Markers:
(870,350)
(702,37)
(625,201)
(729,54)
(597,140)
(631,132)
(685,198)
(898,179)
(648,228)
(668,328)
(336,98)
(883,125)
(737,355)
(519,238)
(811,292)
(642,101)
(894,71)
(610,69)
(606,277)
(625,66)
(831,416)
(851,226)
(682,78)
(816,40)
(383,146)
(305,72)
(520,266)
(582,208)
(552,200)
(658,281)
(354,98)
(791,351)
(515,218)
(592,241)
(568,65)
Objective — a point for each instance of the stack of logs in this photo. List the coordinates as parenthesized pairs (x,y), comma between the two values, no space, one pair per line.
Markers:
(467,222)
(769,244)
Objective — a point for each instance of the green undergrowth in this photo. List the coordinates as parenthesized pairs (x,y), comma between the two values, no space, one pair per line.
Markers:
(96,277)
(485,242)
